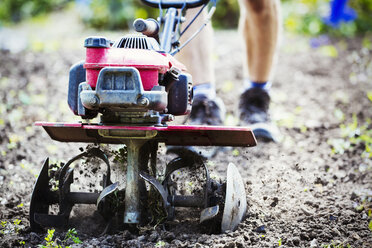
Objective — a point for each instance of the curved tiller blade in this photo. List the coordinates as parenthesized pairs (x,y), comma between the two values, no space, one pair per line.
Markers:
(235,200)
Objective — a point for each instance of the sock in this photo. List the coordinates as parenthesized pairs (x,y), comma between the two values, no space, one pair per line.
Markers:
(208,90)
(262,85)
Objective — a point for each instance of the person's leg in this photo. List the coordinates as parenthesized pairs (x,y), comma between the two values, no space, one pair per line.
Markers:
(259,24)
(197,57)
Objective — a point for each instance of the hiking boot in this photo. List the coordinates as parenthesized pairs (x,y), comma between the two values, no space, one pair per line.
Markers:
(204,112)
(207,112)
(253,106)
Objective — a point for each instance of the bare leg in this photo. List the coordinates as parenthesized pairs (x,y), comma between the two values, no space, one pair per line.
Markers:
(197,55)
(259,24)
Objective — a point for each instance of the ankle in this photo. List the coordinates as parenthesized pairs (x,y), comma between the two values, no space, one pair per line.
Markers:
(248,84)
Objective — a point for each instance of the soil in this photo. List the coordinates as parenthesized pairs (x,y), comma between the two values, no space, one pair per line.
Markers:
(298,193)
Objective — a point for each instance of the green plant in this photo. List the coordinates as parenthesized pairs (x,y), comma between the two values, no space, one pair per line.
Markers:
(160,244)
(52,243)
(72,234)
(10,227)
(49,240)
(354,135)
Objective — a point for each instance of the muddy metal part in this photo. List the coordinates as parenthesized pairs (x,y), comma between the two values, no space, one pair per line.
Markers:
(142,144)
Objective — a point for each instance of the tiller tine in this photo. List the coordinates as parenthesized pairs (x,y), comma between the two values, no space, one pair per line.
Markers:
(220,200)
(42,196)
(107,191)
(209,213)
(235,200)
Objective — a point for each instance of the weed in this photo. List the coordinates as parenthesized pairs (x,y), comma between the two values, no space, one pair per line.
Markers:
(354,135)
(280,242)
(52,243)
(72,234)
(235,152)
(10,227)
(160,244)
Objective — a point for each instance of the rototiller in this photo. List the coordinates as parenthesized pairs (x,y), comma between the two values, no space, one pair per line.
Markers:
(136,87)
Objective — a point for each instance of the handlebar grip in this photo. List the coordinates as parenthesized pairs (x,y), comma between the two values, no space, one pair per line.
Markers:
(149,27)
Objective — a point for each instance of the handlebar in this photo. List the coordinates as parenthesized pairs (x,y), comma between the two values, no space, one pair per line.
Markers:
(149,27)
(175,3)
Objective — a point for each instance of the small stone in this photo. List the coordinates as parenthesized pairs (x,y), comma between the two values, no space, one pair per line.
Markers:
(314,243)
(332,218)
(296,241)
(335,232)
(154,236)
(364,216)
(306,211)
(260,229)
(304,236)
(141,238)
(275,202)
(202,239)
(355,236)
(168,236)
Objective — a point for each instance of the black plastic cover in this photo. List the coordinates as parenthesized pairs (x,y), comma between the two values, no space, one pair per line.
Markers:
(180,96)
(96,42)
(77,75)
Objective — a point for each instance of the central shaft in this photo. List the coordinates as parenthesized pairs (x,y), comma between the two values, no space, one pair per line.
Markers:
(132,213)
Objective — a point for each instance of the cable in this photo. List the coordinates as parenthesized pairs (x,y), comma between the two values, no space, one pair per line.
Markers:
(207,20)
(192,21)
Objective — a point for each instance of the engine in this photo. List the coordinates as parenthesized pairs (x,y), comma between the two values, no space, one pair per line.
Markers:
(129,81)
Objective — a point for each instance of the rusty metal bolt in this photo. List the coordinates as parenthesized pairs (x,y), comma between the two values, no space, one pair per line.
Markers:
(143,101)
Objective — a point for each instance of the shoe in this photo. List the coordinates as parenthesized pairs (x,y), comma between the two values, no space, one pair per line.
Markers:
(204,111)
(253,106)
(207,112)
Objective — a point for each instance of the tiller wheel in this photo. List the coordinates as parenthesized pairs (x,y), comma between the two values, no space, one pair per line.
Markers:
(43,197)
(223,201)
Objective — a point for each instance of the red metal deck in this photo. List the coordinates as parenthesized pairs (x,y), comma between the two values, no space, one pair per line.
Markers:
(170,135)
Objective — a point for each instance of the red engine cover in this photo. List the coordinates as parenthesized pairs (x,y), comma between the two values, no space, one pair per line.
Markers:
(149,63)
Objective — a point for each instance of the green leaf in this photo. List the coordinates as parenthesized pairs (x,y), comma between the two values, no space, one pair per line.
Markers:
(160,244)
(369,95)
(235,152)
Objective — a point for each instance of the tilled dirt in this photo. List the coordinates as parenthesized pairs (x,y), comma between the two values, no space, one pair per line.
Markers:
(299,194)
